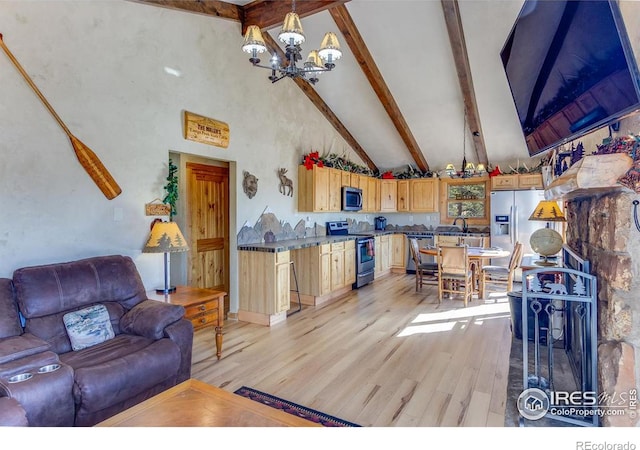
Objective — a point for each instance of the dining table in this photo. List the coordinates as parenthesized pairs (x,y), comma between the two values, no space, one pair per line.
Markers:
(478,257)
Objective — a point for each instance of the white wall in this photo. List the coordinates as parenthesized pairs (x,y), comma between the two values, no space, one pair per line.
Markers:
(104,66)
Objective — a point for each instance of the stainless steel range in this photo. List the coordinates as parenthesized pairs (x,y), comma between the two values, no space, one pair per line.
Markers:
(365,252)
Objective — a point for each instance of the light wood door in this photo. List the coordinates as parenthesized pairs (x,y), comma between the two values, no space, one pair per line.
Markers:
(388,195)
(424,195)
(208,227)
(403,195)
(337,266)
(345,178)
(398,253)
(373,199)
(325,269)
(350,263)
(335,189)
(283,282)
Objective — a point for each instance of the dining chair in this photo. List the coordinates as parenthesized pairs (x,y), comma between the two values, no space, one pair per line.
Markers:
(500,275)
(454,273)
(421,267)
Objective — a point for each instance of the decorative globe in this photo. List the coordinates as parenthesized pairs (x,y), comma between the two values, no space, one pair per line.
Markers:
(546,241)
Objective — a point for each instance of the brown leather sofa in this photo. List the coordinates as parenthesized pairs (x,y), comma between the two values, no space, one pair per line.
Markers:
(151,350)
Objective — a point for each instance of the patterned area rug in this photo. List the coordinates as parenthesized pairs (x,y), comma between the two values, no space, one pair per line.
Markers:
(293,408)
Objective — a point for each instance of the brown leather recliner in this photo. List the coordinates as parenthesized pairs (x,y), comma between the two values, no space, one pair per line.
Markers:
(35,387)
(152,347)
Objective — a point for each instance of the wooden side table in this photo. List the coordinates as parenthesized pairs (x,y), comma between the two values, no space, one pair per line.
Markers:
(204,308)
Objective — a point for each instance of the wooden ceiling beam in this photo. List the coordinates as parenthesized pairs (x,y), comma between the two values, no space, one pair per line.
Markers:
(214,8)
(356,43)
(266,14)
(269,13)
(453,21)
(312,95)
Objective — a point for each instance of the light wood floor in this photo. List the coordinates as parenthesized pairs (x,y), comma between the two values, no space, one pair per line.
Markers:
(380,356)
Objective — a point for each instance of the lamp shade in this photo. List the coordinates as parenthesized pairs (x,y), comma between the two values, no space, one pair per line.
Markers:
(291,29)
(313,61)
(253,40)
(330,47)
(450,170)
(166,237)
(548,211)
(469,168)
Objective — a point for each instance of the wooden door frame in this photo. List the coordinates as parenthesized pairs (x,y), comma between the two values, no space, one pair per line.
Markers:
(190,164)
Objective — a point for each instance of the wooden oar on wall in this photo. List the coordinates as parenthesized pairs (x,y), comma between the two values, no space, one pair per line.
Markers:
(89,160)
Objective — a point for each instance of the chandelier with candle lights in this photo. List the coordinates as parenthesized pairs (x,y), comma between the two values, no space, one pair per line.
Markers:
(291,35)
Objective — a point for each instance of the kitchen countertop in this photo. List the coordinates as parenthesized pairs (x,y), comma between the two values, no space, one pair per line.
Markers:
(296,244)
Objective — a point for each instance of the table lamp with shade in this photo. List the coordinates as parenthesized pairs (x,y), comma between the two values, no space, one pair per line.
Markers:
(166,238)
(546,241)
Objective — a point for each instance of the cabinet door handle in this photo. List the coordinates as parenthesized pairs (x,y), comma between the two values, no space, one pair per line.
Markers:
(203,320)
(202,307)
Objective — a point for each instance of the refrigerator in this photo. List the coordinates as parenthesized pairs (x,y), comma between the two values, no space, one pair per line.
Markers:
(510,211)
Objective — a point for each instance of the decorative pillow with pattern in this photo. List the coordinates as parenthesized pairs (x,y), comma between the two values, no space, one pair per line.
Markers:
(88,327)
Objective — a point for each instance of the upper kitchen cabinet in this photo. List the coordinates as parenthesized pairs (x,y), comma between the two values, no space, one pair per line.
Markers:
(516,182)
(423,195)
(372,195)
(388,195)
(403,196)
(319,189)
(465,197)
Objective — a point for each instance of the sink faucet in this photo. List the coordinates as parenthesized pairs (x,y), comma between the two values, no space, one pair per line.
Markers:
(464,223)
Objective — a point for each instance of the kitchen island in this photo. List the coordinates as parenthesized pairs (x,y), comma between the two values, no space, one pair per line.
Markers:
(324,270)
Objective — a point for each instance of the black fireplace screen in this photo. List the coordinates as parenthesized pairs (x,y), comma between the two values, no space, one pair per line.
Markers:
(559,321)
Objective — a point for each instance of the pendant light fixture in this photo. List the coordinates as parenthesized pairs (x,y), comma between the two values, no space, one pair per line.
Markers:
(292,35)
(466,169)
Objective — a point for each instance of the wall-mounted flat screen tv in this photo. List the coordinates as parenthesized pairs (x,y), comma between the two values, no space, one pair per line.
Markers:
(570,69)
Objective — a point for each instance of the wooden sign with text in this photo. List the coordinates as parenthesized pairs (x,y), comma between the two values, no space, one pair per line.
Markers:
(205,130)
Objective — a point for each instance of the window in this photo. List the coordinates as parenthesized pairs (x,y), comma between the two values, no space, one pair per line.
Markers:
(466,197)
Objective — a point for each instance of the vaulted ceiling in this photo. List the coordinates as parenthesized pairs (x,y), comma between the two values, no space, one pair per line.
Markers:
(420,82)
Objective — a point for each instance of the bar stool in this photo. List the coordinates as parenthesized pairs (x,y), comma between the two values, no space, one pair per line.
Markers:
(296,290)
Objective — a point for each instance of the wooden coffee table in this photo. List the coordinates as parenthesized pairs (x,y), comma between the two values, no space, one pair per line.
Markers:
(193,403)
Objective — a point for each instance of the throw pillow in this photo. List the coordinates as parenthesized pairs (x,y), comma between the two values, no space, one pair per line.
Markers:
(88,327)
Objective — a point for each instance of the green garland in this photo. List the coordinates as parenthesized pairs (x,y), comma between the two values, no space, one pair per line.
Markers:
(172,189)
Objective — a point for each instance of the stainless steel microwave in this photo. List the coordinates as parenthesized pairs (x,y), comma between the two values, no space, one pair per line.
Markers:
(351,199)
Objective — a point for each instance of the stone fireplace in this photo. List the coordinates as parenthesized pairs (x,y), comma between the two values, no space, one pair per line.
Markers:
(601,228)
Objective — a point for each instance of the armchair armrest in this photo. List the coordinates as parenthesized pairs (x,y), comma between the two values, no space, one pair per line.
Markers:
(16,347)
(12,414)
(149,318)
(29,363)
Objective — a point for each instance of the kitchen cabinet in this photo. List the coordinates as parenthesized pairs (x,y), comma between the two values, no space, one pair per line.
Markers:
(349,263)
(471,241)
(324,271)
(398,252)
(530,181)
(388,195)
(264,292)
(516,182)
(402,204)
(337,265)
(320,189)
(335,189)
(371,198)
(446,240)
(382,252)
(423,194)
